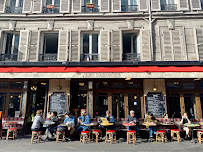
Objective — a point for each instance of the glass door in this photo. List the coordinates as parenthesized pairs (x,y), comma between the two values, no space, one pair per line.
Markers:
(134,103)
(190,106)
(118,105)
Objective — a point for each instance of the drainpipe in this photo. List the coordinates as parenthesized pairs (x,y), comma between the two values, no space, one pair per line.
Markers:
(150,31)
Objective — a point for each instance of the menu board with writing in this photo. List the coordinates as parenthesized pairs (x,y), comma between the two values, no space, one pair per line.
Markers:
(156,104)
(58,102)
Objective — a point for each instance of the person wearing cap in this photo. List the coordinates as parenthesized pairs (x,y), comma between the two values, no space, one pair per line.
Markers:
(151,119)
(83,119)
(70,119)
(132,118)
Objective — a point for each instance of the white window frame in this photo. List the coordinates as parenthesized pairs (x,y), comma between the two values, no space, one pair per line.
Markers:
(13,42)
(135,33)
(90,42)
(53,2)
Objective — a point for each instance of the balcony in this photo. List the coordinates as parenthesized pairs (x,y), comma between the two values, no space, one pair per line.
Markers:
(89,57)
(14,10)
(90,10)
(131,57)
(53,10)
(48,57)
(169,7)
(129,8)
(9,57)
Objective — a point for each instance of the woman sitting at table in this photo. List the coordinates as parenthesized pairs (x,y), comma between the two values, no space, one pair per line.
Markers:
(53,118)
(151,119)
(132,118)
(183,121)
(38,122)
(83,119)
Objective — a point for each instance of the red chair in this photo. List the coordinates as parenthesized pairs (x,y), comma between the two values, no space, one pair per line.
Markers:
(161,135)
(175,135)
(11,133)
(85,136)
(110,136)
(131,136)
(97,134)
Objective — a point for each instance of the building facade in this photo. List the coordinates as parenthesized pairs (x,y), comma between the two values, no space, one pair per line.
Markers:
(102,54)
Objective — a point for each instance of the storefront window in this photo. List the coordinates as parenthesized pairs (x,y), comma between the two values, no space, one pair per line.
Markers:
(14,104)
(2,102)
(190,106)
(16,85)
(200,85)
(117,85)
(118,105)
(101,104)
(134,103)
(102,85)
(173,104)
(188,86)
(174,85)
(3,85)
(133,85)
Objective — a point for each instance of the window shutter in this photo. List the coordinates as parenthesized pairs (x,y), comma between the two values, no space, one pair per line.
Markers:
(23,45)
(116,6)
(116,54)
(167,48)
(145,46)
(156,6)
(195,4)
(37,6)
(143,5)
(75,46)
(105,41)
(34,46)
(177,49)
(27,4)
(76,6)
(190,44)
(199,34)
(63,45)
(183,5)
(2,6)
(104,5)
(65,6)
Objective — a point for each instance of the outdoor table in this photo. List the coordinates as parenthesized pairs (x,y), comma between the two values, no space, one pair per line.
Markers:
(129,124)
(107,124)
(149,125)
(46,125)
(9,123)
(91,124)
(192,126)
(49,123)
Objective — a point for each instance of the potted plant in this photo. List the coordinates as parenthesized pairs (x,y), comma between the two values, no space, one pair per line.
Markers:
(50,6)
(90,5)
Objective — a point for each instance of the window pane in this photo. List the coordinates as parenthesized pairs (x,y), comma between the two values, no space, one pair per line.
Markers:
(20,3)
(95,43)
(174,85)
(16,85)
(13,3)
(3,85)
(102,85)
(188,86)
(14,104)
(117,85)
(48,2)
(173,103)
(16,44)
(51,43)
(129,43)
(133,85)
(9,43)
(101,104)
(95,2)
(200,85)
(57,3)
(118,105)
(189,100)
(2,101)
(86,43)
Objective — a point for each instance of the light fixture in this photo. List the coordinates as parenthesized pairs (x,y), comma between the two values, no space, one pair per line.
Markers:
(19,96)
(43,83)
(105,83)
(34,88)
(127,79)
(81,84)
(154,88)
(11,96)
(135,97)
(197,79)
(175,82)
(130,82)
(18,82)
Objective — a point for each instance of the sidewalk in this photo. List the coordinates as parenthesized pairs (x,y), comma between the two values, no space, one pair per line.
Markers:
(24,145)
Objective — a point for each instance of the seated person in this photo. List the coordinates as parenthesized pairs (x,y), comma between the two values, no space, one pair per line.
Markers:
(151,119)
(38,122)
(83,119)
(53,118)
(132,119)
(110,119)
(70,120)
(183,121)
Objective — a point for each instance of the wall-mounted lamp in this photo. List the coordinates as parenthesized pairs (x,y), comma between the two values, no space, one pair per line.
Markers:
(154,88)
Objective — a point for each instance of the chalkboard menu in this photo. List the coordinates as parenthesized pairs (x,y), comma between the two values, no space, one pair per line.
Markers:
(58,102)
(156,104)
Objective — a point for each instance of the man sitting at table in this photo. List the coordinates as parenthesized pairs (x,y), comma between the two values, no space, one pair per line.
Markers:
(70,120)
(183,121)
(83,119)
(110,119)
(54,118)
(132,119)
(151,119)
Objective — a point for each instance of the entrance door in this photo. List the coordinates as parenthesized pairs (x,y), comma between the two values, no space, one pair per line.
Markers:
(134,103)
(190,106)
(118,105)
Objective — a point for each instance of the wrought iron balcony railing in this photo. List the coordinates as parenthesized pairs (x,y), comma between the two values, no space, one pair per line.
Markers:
(89,57)
(90,10)
(48,57)
(169,7)
(129,8)
(9,57)
(14,10)
(131,57)
(51,10)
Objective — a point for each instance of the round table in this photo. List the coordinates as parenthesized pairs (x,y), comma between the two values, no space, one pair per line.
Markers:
(201,123)
(91,124)
(167,124)
(107,124)
(129,124)
(49,123)
(192,126)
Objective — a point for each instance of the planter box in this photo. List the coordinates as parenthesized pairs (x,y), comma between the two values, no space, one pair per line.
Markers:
(50,6)
(90,5)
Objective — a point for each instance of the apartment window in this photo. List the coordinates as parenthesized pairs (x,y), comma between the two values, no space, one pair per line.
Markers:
(202,3)
(130,47)
(168,5)
(89,6)
(11,47)
(90,47)
(51,6)
(14,6)
(129,5)
(50,47)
